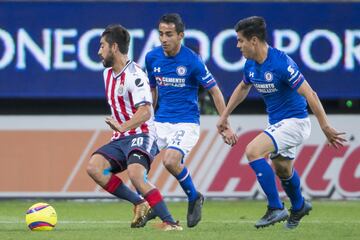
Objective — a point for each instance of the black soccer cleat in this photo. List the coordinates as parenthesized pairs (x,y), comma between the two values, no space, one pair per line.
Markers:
(271,217)
(194,211)
(295,216)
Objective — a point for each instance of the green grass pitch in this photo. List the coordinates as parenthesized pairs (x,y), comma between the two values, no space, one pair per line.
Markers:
(103,220)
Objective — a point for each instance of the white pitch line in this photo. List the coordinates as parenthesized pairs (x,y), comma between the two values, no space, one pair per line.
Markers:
(221,221)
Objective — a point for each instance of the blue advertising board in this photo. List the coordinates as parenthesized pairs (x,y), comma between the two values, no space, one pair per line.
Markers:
(49,50)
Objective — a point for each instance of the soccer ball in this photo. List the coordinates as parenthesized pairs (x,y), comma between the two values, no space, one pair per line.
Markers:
(41,217)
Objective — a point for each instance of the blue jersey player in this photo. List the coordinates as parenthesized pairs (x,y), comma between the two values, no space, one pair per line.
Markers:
(175,73)
(286,94)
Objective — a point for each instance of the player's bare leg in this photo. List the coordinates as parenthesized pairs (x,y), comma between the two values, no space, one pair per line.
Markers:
(137,174)
(99,169)
(141,210)
(172,162)
(95,169)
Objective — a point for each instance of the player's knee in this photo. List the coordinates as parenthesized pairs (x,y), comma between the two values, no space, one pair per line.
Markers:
(252,153)
(93,168)
(138,176)
(282,171)
(170,163)
(135,176)
(138,167)
(172,159)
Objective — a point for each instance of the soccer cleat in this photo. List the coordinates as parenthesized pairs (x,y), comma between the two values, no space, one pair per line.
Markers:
(295,216)
(144,219)
(194,211)
(272,216)
(168,226)
(140,211)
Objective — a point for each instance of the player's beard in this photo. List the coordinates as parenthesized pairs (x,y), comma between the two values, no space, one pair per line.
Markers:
(109,61)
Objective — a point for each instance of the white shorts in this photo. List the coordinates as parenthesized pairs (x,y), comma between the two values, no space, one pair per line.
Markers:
(179,136)
(287,135)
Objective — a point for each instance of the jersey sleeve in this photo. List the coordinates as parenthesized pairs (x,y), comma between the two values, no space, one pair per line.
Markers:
(203,75)
(291,74)
(140,90)
(149,71)
(246,78)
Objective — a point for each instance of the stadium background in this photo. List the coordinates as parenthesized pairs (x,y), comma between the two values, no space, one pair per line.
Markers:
(52,104)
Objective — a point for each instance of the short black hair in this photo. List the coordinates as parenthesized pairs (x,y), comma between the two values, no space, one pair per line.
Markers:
(252,26)
(175,19)
(117,34)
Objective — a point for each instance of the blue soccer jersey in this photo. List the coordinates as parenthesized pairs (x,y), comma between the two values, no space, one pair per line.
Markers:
(277,80)
(178,79)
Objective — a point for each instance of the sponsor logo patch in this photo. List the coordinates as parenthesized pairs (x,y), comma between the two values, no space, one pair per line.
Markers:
(139,83)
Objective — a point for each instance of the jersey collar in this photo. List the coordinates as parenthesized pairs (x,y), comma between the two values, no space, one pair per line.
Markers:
(119,74)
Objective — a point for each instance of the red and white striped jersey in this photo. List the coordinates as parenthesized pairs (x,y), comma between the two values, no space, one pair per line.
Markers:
(125,92)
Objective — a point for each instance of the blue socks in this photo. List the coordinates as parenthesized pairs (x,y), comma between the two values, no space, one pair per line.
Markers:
(293,191)
(187,184)
(266,177)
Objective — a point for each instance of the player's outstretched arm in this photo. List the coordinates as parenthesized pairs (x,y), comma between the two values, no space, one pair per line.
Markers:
(334,137)
(218,98)
(142,114)
(239,94)
(229,137)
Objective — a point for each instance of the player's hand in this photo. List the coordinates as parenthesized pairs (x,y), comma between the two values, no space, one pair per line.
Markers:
(113,124)
(229,137)
(334,137)
(222,124)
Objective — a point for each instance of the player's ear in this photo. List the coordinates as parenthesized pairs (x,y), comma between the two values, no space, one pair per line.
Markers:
(181,35)
(115,47)
(254,40)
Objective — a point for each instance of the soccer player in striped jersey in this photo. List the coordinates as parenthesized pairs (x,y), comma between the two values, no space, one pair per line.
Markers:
(175,73)
(286,94)
(133,143)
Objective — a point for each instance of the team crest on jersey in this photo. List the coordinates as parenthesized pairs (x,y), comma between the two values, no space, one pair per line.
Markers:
(268,76)
(181,70)
(121,90)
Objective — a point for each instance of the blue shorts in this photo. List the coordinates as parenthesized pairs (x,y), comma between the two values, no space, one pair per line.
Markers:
(117,152)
